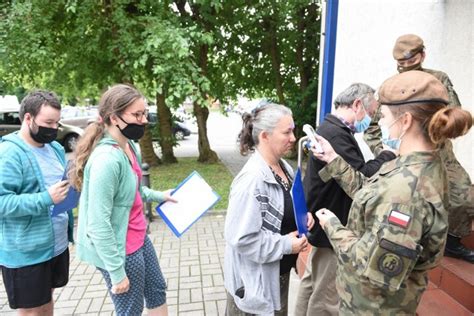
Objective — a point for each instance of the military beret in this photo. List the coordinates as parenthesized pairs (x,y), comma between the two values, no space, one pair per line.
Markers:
(412,87)
(407,46)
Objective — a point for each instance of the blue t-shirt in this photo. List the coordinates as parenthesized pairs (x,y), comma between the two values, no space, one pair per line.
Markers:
(53,171)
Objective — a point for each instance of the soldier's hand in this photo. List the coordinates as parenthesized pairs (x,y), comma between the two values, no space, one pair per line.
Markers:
(324,215)
(168,196)
(328,154)
(310,222)
(298,244)
(58,191)
(121,287)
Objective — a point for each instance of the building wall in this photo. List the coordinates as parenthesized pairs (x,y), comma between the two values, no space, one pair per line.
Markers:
(367,30)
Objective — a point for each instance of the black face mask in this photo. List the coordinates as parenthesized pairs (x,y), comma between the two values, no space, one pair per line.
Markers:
(132,131)
(44,135)
(408,68)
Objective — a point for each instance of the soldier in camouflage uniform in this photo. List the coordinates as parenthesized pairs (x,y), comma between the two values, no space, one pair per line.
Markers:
(397,224)
(409,54)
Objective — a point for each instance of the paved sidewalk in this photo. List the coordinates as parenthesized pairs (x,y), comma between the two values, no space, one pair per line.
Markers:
(192,266)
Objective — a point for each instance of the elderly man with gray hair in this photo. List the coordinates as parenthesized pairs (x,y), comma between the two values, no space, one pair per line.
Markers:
(354,108)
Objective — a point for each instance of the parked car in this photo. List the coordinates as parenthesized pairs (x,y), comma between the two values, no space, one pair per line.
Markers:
(68,135)
(179,129)
(78,116)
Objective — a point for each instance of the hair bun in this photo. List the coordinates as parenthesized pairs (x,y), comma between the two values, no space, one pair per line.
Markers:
(449,123)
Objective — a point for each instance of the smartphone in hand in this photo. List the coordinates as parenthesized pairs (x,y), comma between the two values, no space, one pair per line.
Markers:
(311,133)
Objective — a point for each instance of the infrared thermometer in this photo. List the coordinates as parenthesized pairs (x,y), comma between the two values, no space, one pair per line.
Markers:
(311,133)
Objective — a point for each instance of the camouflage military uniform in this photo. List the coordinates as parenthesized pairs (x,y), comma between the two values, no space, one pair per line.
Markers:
(396,232)
(461,191)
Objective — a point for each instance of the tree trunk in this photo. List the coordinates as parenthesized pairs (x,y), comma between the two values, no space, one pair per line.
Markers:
(206,154)
(147,151)
(164,127)
(300,47)
(275,57)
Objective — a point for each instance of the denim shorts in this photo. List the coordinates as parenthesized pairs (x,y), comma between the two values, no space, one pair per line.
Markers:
(147,283)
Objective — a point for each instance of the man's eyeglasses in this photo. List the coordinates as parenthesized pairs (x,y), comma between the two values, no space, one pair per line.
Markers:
(139,115)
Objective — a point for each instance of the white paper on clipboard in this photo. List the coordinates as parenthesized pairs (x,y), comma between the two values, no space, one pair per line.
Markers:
(194,198)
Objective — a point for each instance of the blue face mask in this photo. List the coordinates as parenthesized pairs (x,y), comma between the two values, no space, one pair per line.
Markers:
(362,126)
(393,143)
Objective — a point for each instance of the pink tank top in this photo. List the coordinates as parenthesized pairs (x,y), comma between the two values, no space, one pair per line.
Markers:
(136,231)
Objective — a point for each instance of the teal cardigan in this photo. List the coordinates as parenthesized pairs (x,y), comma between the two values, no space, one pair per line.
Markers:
(27,236)
(107,195)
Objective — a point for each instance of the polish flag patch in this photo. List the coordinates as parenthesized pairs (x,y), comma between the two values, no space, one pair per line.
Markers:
(399,219)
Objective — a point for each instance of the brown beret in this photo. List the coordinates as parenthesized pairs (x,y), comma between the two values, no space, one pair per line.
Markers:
(407,46)
(412,87)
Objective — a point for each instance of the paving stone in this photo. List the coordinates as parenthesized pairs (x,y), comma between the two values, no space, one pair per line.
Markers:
(107,307)
(173,310)
(189,279)
(97,279)
(63,310)
(184,271)
(184,296)
(194,307)
(210,308)
(66,293)
(83,305)
(94,294)
(221,307)
(196,270)
(190,285)
(96,304)
(173,283)
(78,292)
(207,281)
(196,295)
(192,313)
(189,263)
(64,304)
(218,279)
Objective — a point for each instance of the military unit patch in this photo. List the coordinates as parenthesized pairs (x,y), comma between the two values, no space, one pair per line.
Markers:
(390,264)
(399,219)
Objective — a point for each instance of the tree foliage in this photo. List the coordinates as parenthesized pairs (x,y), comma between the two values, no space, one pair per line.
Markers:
(170,50)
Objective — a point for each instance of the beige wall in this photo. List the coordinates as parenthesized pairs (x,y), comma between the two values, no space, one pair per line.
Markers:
(367,30)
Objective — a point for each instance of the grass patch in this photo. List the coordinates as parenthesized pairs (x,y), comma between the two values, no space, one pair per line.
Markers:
(168,176)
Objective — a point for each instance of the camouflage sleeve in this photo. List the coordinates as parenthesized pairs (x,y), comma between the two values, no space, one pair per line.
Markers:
(349,179)
(373,135)
(387,252)
(453,96)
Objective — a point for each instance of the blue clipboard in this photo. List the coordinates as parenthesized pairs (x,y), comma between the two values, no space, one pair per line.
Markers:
(299,204)
(196,195)
(71,200)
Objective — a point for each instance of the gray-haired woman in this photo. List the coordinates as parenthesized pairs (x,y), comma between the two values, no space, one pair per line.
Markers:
(260,228)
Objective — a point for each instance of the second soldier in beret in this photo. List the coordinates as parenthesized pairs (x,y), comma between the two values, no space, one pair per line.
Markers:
(398,220)
(409,52)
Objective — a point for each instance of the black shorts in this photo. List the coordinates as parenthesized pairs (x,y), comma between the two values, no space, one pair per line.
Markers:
(30,286)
